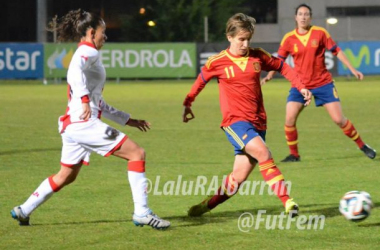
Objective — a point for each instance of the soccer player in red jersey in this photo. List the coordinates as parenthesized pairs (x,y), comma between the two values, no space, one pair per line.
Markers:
(238,71)
(307,45)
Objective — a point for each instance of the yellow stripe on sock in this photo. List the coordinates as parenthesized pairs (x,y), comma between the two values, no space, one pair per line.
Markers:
(275,179)
(347,127)
(355,137)
(290,129)
(290,143)
(265,168)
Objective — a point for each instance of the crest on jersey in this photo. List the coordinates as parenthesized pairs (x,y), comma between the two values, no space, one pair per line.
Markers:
(295,48)
(256,67)
(314,43)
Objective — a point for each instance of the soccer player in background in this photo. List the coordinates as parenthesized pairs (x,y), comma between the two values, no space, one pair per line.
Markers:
(307,44)
(237,70)
(82,130)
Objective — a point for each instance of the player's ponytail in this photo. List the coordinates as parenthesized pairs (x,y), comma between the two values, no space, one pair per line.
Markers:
(73,25)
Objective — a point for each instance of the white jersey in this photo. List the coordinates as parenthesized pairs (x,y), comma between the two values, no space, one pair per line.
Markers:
(86,78)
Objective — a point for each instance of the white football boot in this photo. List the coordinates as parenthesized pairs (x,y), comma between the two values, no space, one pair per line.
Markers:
(150,219)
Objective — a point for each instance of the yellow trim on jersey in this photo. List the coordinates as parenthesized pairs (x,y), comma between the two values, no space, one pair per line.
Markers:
(211,59)
(241,62)
(275,179)
(304,39)
(235,136)
(286,36)
(321,29)
(264,51)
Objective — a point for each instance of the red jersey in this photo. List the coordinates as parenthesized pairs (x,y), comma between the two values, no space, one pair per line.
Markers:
(308,52)
(240,93)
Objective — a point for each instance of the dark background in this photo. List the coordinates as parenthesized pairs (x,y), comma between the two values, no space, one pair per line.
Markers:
(176,20)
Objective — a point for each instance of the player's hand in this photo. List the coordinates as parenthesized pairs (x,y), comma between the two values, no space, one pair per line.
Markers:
(359,75)
(186,112)
(86,111)
(142,125)
(307,96)
(265,79)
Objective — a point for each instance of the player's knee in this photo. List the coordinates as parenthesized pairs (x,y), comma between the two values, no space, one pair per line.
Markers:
(261,154)
(137,154)
(290,122)
(70,179)
(141,153)
(340,121)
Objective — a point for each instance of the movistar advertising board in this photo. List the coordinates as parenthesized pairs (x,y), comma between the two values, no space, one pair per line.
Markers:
(21,60)
(363,55)
(130,60)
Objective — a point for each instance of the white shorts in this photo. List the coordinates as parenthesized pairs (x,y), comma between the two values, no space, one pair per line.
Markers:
(80,139)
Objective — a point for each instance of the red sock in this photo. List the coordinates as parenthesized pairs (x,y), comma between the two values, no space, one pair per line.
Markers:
(291,136)
(350,131)
(273,177)
(226,191)
(53,185)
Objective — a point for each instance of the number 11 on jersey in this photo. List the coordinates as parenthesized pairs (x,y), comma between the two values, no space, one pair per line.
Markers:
(228,70)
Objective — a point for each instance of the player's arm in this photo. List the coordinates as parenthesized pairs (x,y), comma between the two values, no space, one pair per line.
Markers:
(77,81)
(343,58)
(268,77)
(197,87)
(293,77)
(282,53)
(121,117)
(271,63)
(333,47)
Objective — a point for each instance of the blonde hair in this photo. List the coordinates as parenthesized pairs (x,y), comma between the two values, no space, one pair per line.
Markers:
(240,22)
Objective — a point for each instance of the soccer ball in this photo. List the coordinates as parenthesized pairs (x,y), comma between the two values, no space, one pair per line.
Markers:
(356,205)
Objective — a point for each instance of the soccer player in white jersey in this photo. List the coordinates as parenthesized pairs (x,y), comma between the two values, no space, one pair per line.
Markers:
(82,130)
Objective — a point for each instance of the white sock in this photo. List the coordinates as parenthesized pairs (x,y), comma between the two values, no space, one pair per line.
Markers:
(138,184)
(42,194)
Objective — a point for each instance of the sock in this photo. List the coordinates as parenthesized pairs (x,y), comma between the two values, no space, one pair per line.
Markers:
(45,190)
(226,191)
(138,183)
(350,131)
(291,136)
(274,178)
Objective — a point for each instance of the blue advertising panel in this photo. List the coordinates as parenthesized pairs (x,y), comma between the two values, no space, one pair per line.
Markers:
(363,55)
(21,60)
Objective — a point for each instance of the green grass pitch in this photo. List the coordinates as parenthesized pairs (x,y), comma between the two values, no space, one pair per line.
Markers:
(95,211)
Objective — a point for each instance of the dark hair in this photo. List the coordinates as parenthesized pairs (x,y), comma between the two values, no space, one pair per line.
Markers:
(73,25)
(240,22)
(304,5)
